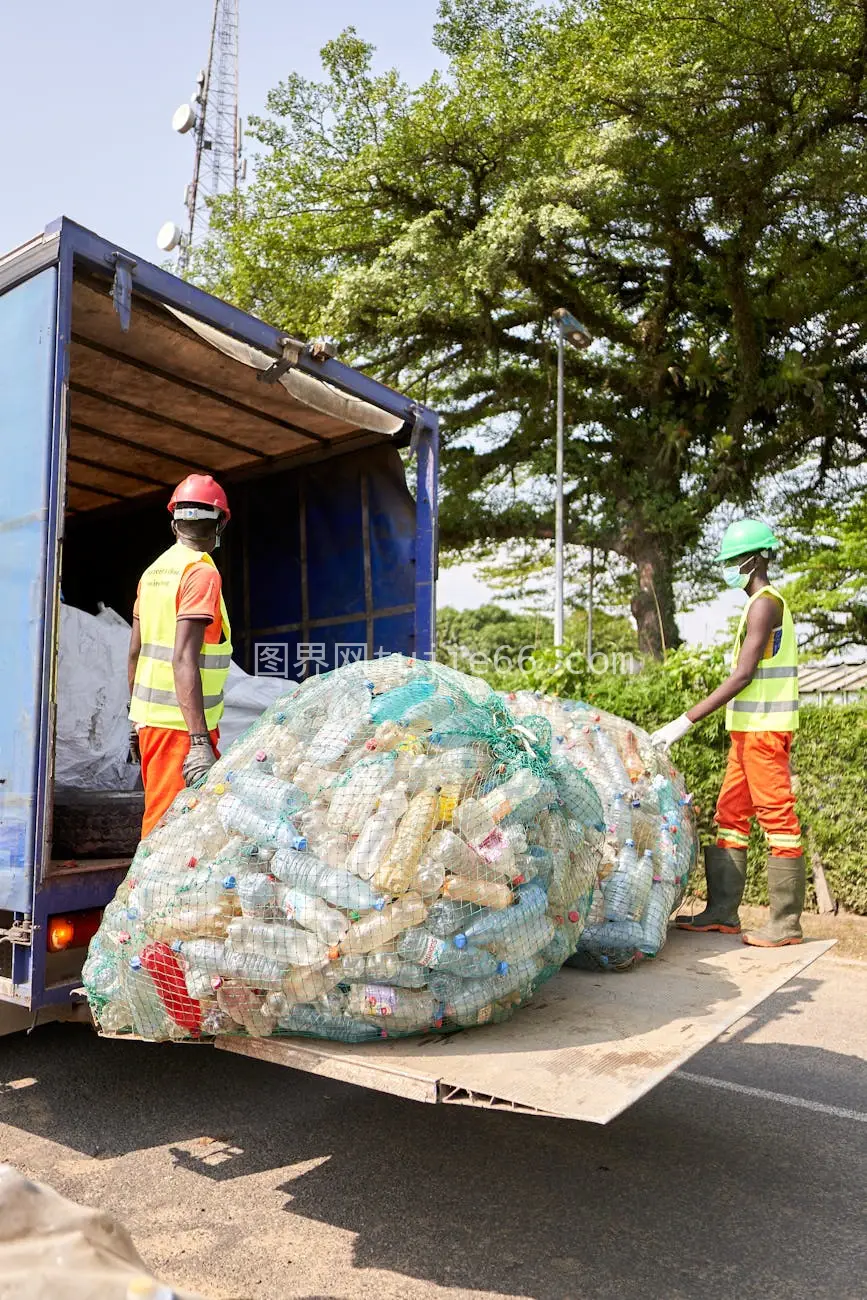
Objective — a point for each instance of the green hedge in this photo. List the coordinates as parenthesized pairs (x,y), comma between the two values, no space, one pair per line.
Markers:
(830,756)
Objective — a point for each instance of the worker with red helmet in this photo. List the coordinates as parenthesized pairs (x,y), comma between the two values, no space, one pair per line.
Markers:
(180,651)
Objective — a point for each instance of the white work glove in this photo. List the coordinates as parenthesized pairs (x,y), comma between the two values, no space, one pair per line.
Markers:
(665,737)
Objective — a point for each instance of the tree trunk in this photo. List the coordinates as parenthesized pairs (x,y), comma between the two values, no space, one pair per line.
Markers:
(653,602)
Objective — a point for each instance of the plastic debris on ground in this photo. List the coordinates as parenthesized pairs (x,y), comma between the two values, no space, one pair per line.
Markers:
(651,839)
(386,851)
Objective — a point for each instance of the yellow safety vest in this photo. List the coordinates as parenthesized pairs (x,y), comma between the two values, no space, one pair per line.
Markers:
(770,702)
(154,702)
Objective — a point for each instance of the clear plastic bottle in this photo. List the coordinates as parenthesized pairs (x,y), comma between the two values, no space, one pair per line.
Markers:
(306,983)
(632,760)
(387,737)
(393,802)
(654,922)
(577,793)
(453,854)
(310,1019)
(469,1002)
(610,755)
(536,862)
(355,797)
(254,970)
(149,1016)
(621,819)
(266,795)
(382,968)
(428,714)
(312,779)
(487,893)
(429,878)
(256,895)
(424,948)
(447,917)
(395,872)
(247,1008)
(204,961)
(339,733)
(387,673)
(311,876)
(371,846)
(391,705)
(618,887)
(271,832)
(642,882)
(375,931)
(285,943)
(487,927)
(524,941)
(201,909)
(312,914)
(403,1010)
(612,942)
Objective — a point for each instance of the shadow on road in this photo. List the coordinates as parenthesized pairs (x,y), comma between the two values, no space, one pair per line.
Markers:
(770,1198)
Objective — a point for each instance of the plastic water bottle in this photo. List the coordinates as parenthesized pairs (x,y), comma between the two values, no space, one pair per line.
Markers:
(203,961)
(536,862)
(355,797)
(610,755)
(371,846)
(284,943)
(613,942)
(337,735)
(256,895)
(447,917)
(267,795)
(312,779)
(389,672)
(387,737)
(311,876)
(271,832)
(395,872)
(654,922)
(424,948)
(642,882)
(328,923)
(246,1007)
(393,802)
(313,1021)
(632,760)
(401,1010)
(149,1017)
(490,926)
(536,932)
(522,796)
(428,879)
(306,983)
(621,819)
(428,714)
(470,1002)
(452,853)
(618,887)
(393,704)
(487,893)
(379,928)
(576,792)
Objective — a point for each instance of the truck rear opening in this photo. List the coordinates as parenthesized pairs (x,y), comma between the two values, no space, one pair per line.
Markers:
(119,380)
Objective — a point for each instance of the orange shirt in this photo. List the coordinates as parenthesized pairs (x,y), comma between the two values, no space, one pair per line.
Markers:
(199,597)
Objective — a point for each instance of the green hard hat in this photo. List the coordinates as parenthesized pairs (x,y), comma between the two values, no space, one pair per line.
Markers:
(745,536)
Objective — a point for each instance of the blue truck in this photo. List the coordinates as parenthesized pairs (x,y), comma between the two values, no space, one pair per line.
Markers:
(116,380)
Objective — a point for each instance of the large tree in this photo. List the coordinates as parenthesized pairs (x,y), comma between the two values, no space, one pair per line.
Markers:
(686,175)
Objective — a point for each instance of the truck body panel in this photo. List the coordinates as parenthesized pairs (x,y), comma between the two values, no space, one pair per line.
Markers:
(116,380)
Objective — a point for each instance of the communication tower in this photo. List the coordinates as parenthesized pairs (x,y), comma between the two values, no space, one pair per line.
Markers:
(212,118)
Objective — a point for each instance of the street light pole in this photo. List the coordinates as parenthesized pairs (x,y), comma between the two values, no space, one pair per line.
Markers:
(558,501)
(567,328)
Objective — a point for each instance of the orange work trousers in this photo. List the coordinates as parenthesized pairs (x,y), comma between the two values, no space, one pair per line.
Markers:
(758,783)
(163,751)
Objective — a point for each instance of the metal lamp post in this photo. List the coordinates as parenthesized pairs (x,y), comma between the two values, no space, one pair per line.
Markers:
(568,328)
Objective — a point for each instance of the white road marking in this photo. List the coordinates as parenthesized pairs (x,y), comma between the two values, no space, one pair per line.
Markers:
(802,1102)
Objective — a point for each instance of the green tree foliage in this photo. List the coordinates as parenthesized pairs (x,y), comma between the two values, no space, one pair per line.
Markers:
(687,176)
(829,595)
(487,639)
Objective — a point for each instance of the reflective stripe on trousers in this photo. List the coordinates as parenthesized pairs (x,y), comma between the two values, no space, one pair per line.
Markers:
(758,783)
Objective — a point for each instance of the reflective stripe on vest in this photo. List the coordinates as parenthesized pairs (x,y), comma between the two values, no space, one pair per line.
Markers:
(770,701)
(154,702)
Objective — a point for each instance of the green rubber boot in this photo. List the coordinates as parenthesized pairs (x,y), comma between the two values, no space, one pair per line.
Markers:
(726,872)
(787,886)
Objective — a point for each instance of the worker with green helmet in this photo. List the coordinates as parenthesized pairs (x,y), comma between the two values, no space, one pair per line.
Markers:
(761,702)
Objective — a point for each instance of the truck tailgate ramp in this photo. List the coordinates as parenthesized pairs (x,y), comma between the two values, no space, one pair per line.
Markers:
(586,1048)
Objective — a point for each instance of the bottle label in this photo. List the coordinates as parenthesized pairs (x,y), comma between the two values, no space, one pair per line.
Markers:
(381,1000)
(430,949)
(484,1014)
(492,846)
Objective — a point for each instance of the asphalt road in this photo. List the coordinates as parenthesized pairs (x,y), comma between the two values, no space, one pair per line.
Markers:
(242,1179)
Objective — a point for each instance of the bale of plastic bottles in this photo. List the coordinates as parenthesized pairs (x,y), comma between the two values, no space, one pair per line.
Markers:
(385,852)
(651,837)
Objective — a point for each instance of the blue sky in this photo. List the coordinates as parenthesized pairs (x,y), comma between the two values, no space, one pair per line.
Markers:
(86,99)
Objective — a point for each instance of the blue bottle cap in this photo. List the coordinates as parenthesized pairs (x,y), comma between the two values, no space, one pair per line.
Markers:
(229,882)
(436,738)
(132,913)
(177,945)
(135,963)
(300,843)
(460,941)
(280,718)
(379,905)
(502,967)
(370,686)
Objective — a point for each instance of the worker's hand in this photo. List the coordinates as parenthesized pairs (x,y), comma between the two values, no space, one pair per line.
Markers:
(665,737)
(134,755)
(200,759)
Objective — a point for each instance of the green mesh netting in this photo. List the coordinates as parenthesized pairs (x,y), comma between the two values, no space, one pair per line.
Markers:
(388,850)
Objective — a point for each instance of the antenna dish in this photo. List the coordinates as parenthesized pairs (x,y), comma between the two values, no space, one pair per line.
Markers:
(184,119)
(168,236)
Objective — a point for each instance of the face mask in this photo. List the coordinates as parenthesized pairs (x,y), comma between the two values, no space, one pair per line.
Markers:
(733,577)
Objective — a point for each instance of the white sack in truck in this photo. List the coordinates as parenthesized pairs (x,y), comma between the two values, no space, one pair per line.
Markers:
(93,702)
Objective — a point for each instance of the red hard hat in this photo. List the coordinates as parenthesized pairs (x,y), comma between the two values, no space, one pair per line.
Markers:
(201,490)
